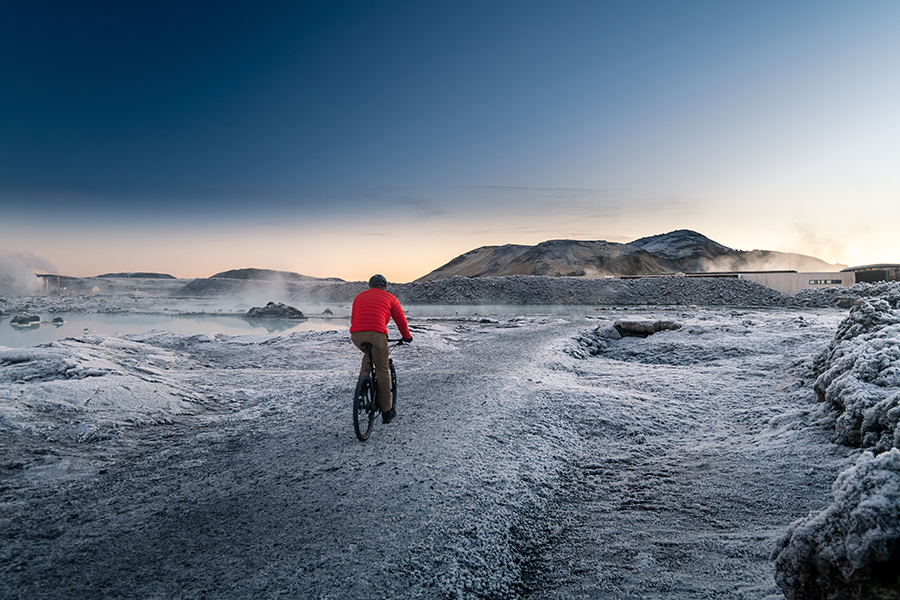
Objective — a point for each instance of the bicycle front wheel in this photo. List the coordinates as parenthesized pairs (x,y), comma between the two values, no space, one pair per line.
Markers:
(364,408)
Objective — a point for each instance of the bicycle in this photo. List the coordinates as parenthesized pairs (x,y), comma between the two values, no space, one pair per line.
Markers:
(366,404)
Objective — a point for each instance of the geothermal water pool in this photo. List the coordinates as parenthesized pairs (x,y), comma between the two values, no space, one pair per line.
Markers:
(77,325)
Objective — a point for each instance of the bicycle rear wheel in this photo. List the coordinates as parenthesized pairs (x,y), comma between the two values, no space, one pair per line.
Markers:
(364,408)
(393,384)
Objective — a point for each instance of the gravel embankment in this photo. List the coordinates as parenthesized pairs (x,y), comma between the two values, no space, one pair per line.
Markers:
(522,289)
(538,290)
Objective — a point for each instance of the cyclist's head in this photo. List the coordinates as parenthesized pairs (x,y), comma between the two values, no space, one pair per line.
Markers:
(377,281)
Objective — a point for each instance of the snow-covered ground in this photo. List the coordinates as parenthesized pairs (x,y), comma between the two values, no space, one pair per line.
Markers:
(533,456)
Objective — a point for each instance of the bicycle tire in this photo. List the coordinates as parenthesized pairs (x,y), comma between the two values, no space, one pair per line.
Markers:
(364,408)
(393,384)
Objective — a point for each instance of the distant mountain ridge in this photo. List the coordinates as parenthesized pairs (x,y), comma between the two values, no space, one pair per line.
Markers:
(136,276)
(681,251)
(269,275)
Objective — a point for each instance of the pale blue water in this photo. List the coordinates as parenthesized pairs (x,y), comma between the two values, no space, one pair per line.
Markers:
(75,325)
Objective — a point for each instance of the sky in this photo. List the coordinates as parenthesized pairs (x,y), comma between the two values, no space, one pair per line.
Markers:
(340,139)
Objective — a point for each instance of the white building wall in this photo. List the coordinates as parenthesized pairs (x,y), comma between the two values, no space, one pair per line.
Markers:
(791,283)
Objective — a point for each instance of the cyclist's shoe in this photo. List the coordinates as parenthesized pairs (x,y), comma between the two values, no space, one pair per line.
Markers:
(387,417)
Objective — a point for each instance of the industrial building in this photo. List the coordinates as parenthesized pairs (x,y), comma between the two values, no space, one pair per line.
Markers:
(791,282)
(872,273)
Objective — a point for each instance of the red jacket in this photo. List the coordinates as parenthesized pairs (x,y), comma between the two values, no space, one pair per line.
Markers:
(373,308)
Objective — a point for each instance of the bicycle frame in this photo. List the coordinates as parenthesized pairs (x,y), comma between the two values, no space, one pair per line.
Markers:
(368,349)
(366,401)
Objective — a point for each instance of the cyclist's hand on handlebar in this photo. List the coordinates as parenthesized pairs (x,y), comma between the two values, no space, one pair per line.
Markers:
(407,340)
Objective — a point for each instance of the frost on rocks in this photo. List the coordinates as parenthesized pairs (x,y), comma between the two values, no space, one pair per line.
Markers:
(888,291)
(275,310)
(643,328)
(848,550)
(593,342)
(859,377)
(89,389)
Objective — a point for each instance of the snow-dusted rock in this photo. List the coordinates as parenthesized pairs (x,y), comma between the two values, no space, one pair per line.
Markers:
(850,549)
(643,328)
(276,310)
(86,389)
(24,319)
(845,297)
(859,377)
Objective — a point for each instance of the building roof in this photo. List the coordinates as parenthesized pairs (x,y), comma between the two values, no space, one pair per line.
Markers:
(878,267)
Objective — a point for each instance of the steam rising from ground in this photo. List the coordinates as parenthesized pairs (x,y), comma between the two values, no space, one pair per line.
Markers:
(763,260)
(17,276)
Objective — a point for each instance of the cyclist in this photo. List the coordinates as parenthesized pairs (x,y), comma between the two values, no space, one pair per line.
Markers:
(372,309)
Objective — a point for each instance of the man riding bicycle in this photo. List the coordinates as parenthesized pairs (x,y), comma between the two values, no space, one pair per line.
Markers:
(372,309)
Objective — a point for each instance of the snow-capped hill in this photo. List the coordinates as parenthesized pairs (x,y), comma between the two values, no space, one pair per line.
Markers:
(682,243)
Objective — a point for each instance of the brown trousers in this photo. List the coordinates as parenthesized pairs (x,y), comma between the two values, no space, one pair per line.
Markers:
(380,355)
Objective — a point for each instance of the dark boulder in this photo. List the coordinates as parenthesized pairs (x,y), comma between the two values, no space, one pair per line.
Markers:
(24,319)
(275,310)
(643,328)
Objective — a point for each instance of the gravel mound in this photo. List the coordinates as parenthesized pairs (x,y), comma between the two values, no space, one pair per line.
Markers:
(522,289)
(651,291)
(534,289)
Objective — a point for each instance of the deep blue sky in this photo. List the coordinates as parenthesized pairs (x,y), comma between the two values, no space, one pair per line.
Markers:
(193,138)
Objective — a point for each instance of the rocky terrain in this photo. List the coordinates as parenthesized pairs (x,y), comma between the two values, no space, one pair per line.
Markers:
(534,456)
